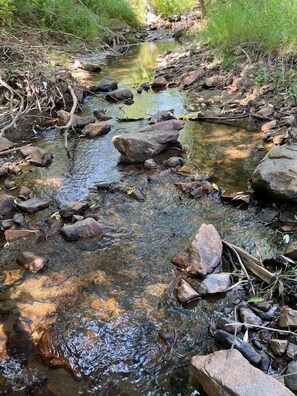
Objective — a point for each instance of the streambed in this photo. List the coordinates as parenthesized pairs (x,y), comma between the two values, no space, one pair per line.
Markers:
(107,305)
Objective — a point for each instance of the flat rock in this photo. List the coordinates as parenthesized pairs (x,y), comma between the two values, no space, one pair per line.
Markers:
(278,347)
(96,129)
(268,125)
(6,204)
(215,283)
(276,175)
(192,77)
(265,111)
(32,262)
(14,235)
(5,144)
(291,376)
(36,155)
(87,66)
(119,95)
(203,252)
(33,205)
(148,141)
(185,292)
(73,208)
(249,317)
(83,229)
(287,318)
(228,340)
(159,83)
(107,84)
(228,373)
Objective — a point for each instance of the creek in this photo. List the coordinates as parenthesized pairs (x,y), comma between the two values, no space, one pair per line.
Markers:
(109,304)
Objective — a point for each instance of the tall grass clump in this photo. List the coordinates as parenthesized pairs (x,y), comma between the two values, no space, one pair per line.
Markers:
(265,25)
(169,8)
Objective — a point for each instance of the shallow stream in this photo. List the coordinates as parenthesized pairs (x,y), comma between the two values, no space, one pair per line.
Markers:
(108,305)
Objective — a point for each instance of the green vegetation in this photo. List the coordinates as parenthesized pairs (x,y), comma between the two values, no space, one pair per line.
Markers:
(264,25)
(169,8)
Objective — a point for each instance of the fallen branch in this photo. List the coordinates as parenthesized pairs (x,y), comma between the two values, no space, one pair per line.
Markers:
(251,263)
(14,149)
(70,121)
(248,325)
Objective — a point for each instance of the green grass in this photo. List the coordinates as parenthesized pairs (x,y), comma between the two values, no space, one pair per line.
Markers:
(169,8)
(264,25)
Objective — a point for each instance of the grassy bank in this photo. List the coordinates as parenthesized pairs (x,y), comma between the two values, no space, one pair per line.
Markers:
(169,8)
(264,25)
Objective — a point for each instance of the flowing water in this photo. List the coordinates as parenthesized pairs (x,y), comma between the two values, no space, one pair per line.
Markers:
(108,305)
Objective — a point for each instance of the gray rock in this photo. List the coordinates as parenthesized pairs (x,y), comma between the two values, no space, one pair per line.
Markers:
(31,262)
(88,66)
(74,208)
(287,318)
(6,204)
(291,376)
(148,141)
(37,156)
(278,347)
(25,193)
(202,254)
(150,163)
(159,83)
(215,283)
(101,115)
(173,162)
(228,325)
(228,373)
(292,350)
(228,340)
(5,224)
(5,144)
(185,292)
(276,175)
(107,84)
(19,219)
(83,229)
(95,129)
(119,95)
(162,116)
(78,121)
(33,205)
(249,317)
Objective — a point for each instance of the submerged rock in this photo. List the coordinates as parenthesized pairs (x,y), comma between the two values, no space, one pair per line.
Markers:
(31,262)
(226,373)
(6,204)
(33,205)
(215,283)
(228,340)
(276,175)
(96,129)
(37,156)
(83,229)
(203,253)
(147,142)
(185,292)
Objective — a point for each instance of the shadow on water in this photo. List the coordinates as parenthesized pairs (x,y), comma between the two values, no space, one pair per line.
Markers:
(106,306)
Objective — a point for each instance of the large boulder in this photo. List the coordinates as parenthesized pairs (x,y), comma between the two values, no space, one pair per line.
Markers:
(107,84)
(228,373)
(276,175)
(96,129)
(148,141)
(202,254)
(119,95)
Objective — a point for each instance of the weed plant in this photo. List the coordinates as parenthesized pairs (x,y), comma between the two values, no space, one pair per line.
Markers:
(264,25)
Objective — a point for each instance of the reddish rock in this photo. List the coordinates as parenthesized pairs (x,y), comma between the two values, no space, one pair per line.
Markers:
(159,83)
(74,208)
(78,121)
(96,129)
(86,228)
(119,95)
(36,155)
(268,125)
(5,144)
(203,253)
(192,77)
(14,235)
(278,347)
(31,262)
(288,317)
(185,292)
(25,193)
(225,373)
